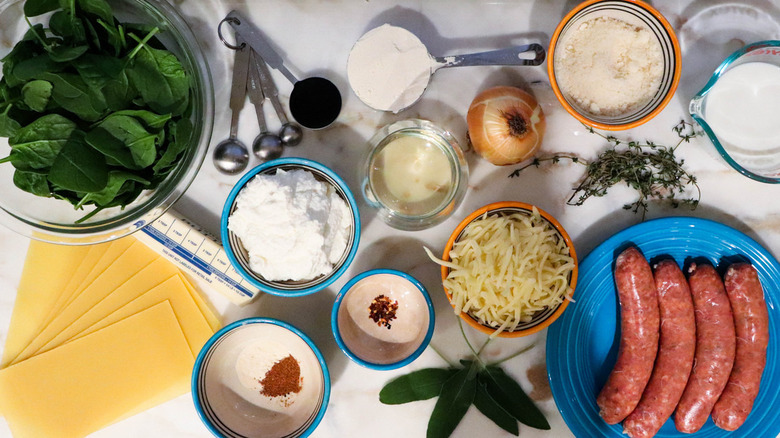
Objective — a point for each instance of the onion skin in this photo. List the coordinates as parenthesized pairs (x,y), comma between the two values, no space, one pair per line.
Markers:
(506,125)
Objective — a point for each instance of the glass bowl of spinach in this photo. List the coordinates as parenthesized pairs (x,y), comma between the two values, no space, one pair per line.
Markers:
(106,112)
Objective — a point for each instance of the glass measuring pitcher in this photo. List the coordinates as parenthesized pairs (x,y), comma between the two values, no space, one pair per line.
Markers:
(739,110)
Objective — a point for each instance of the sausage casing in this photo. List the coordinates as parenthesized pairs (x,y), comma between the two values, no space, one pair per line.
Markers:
(639,324)
(751,321)
(677,346)
(715,348)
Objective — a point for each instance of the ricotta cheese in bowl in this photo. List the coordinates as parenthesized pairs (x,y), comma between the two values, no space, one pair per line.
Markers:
(290,227)
(383,319)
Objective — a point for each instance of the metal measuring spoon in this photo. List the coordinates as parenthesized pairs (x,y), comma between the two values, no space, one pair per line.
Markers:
(266,146)
(315,102)
(391,52)
(291,134)
(231,156)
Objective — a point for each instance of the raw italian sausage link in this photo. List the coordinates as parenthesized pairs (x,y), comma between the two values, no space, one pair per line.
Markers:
(675,353)
(752,326)
(715,348)
(639,322)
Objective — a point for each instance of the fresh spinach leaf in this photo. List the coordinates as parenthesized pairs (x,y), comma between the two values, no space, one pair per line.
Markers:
(418,385)
(508,393)
(33,8)
(67,53)
(100,8)
(456,397)
(36,94)
(160,80)
(79,168)
(73,95)
(33,67)
(485,403)
(152,120)
(115,150)
(37,145)
(118,181)
(70,28)
(141,144)
(8,126)
(32,182)
(179,135)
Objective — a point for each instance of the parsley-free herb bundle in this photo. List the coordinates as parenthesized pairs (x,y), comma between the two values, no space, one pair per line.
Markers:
(652,170)
(95,111)
(491,390)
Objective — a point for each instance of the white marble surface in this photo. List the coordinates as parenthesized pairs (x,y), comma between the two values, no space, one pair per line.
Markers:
(315,37)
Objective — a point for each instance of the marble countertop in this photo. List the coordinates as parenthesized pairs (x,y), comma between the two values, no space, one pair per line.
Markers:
(315,37)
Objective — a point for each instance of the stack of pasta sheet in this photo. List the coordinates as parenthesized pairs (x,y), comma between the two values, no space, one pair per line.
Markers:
(98,333)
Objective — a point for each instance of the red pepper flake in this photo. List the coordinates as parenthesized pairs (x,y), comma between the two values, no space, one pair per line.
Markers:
(382,310)
(283,378)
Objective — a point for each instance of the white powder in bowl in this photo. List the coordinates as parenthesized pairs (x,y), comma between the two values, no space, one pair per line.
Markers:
(389,68)
(293,226)
(608,66)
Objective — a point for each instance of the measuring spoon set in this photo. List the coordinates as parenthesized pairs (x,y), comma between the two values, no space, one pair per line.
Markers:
(314,103)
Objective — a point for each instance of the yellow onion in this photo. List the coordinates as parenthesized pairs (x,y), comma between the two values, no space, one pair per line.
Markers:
(506,125)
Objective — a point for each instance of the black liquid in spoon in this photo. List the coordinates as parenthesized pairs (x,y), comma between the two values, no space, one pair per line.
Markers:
(315,102)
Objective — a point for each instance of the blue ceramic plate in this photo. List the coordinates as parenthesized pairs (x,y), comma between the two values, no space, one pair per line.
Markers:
(582,346)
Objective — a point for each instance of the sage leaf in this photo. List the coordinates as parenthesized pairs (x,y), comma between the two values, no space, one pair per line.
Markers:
(418,385)
(79,168)
(36,94)
(491,409)
(456,397)
(508,393)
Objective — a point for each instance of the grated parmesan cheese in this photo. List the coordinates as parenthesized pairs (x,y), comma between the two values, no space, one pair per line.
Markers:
(608,66)
(504,269)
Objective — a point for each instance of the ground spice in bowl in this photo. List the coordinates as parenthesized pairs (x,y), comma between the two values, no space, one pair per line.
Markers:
(283,378)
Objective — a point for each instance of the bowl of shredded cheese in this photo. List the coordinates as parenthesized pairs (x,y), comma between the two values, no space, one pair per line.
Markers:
(290,227)
(509,269)
(614,64)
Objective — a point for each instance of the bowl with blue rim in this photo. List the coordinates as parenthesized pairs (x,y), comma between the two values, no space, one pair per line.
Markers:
(239,255)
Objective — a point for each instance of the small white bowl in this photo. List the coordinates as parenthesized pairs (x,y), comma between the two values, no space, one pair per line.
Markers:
(227,376)
(381,346)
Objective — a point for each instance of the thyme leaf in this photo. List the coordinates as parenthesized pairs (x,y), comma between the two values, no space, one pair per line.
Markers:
(651,169)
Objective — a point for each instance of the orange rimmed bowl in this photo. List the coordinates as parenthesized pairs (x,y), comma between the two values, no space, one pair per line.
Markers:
(636,13)
(540,319)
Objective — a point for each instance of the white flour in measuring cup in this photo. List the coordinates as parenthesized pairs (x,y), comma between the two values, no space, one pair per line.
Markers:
(389,68)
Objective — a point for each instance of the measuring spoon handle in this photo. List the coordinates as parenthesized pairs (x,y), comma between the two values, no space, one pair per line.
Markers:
(238,86)
(256,95)
(509,56)
(255,38)
(269,88)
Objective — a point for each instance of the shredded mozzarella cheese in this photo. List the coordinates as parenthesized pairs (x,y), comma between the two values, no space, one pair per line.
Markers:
(505,268)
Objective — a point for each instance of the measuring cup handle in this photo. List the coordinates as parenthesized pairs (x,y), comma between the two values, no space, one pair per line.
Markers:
(509,56)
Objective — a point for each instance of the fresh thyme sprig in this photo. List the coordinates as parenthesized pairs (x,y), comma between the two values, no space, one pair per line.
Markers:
(653,170)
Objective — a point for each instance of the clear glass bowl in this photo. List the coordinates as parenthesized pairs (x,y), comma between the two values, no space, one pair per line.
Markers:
(415,174)
(54,220)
